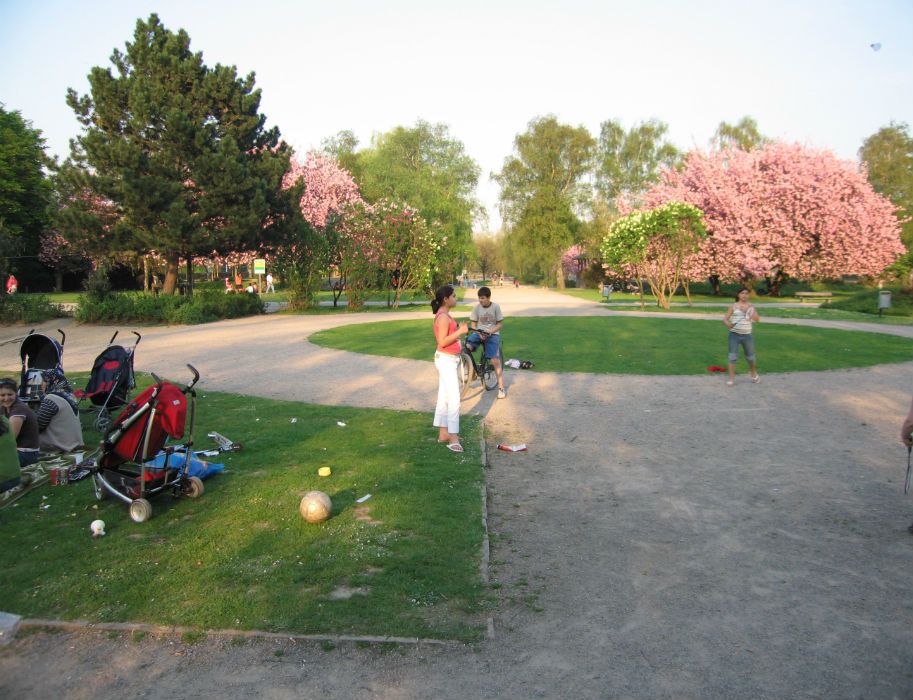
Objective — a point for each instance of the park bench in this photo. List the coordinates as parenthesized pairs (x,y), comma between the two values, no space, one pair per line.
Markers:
(812,296)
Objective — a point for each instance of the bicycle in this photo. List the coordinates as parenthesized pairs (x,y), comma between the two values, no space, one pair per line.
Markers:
(483,370)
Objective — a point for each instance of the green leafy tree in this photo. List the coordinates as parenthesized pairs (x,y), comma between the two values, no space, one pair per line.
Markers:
(487,254)
(628,162)
(546,228)
(343,147)
(179,150)
(425,167)
(888,155)
(26,194)
(543,185)
(655,244)
(743,135)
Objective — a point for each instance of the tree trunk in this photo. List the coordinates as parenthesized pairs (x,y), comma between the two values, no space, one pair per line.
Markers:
(189,276)
(715,284)
(171,273)
(146,273)
(774,283)
(559,275)
(58,281)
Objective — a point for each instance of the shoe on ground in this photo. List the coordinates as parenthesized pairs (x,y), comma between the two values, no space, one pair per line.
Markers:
(502,394)
(756,379)
(729,383)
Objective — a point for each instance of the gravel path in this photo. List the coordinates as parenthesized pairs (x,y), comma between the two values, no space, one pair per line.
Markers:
(663,536)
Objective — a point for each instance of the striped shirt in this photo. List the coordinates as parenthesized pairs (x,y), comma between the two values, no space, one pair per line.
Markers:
(741,320)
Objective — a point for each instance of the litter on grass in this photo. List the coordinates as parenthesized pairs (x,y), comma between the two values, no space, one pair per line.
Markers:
(363,498)
(340,424)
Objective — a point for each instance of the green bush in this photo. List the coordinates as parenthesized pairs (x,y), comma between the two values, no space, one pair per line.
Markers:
(866,302)
(203,307)
(27,308)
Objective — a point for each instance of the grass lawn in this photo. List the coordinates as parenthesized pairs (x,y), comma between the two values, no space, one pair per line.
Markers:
(822,313)
(242,557)
(637,345)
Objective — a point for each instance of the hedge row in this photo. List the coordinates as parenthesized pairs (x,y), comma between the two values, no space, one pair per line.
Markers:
(27,308)
(202,307)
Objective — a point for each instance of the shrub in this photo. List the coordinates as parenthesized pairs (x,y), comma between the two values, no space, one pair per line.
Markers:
(145,308)
(28,308)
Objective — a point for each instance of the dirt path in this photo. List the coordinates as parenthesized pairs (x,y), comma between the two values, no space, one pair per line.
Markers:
(663,537)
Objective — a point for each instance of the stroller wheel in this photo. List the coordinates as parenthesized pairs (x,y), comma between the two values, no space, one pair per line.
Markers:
(101,493)
(103,422)
(140,510)
(194,488)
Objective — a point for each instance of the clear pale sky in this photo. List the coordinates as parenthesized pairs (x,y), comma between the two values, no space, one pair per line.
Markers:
(804,70)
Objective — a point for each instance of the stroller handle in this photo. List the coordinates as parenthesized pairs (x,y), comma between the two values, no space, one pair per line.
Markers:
(111,342)
(63,337)
(138,338)
(196,377)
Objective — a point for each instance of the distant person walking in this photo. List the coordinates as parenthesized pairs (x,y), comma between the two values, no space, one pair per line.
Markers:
(739,318)
(12,285)
(447,359)
(269,283)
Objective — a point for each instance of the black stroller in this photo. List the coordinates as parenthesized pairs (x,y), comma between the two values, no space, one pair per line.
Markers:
(123,469)
(39,353)
(111,381)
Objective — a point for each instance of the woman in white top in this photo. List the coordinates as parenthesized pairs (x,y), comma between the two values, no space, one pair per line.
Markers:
(738,319)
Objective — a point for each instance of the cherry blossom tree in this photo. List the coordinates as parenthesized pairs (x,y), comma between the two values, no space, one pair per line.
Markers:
(782,210)
(302,257)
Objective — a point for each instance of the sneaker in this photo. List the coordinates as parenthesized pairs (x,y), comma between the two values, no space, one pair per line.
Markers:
(502,394)
(756,379)
(729,383)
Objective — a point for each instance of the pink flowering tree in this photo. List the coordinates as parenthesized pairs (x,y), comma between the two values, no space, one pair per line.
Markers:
(782,210)
(570,260)
(58,254)
(326,191)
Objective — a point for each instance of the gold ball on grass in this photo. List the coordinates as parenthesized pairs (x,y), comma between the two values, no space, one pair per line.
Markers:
(316,506)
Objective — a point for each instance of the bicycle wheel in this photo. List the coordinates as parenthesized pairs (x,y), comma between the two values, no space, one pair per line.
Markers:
(489,374)
(465,372)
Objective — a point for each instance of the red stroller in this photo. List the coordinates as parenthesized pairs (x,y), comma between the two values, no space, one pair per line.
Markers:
(135,437)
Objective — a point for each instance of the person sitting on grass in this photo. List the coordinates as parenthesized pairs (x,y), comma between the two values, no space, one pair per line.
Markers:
(487,317)
(59,429)
(23,423)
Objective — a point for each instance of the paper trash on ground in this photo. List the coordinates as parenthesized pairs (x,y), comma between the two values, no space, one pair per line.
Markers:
(513,448)
(363,498)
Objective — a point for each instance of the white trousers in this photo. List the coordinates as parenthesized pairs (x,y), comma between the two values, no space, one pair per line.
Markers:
(447,413)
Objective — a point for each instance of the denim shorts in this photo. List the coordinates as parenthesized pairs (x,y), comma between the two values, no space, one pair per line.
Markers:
(492,343)
(746,341)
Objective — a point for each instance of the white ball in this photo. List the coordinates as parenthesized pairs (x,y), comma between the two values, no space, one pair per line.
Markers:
(98,528)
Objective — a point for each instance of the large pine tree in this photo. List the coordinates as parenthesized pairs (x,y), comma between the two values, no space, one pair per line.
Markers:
(178,150)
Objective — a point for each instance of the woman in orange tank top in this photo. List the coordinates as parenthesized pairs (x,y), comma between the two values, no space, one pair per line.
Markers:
(447,359)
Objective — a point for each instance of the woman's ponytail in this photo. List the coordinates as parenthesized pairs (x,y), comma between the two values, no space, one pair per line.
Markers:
(439,297)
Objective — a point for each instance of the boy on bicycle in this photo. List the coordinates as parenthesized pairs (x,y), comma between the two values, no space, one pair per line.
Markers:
(488,318)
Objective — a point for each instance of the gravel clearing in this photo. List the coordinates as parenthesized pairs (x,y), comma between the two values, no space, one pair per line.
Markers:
(663,537)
